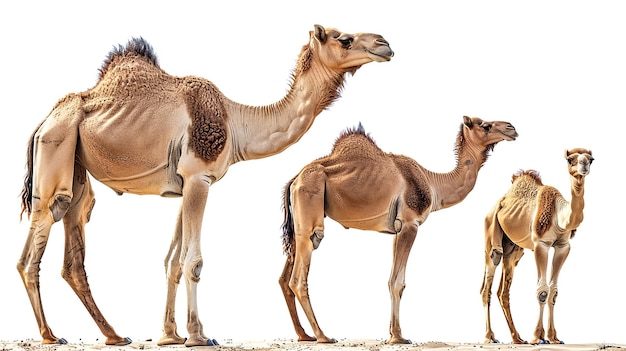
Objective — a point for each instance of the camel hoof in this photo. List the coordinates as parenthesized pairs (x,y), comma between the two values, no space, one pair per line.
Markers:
(399,341)
(126,341)
(171,340)
(55,341)
(200,342)
(118,342)
(326,340)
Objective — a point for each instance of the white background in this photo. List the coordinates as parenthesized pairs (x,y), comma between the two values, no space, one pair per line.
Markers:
(554,69)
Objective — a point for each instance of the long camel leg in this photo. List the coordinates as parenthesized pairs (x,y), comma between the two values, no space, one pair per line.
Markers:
(308,218)
(195,193)
(290,299)
(512,255)
(299,285)
(493,238)
(402,243)
(485,292)
(54,146)
(28,267)
(173,273)
(74,260)
(560,254)
(541,259)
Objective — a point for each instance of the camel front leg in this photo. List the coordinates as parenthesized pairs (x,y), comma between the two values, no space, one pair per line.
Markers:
(560,254)
(195,193)
(173,273)
(402,243)
(541,259)
(290,299)
(74,259)
(512,255)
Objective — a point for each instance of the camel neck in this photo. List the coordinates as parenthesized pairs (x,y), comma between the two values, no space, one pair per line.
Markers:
(268,130)
(451,188)
(577,203)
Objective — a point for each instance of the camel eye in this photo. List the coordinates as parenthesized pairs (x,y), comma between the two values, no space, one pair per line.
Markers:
(346,42)
(571,161)
(486,127)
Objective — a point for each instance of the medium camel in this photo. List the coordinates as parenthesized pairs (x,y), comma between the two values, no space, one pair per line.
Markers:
(536,217)
(140,130)
(360,186)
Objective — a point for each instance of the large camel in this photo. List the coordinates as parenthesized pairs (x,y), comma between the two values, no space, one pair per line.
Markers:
(140,130)
(360,186)
(536,217)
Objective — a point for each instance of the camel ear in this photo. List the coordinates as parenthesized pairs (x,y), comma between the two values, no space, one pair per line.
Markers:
(320,33)
(467,121)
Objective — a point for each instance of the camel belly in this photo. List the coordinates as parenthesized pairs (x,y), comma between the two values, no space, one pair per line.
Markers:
(133,151)
(516,223)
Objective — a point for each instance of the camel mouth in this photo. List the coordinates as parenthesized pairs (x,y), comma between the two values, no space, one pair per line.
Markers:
(382,56)
(510,137)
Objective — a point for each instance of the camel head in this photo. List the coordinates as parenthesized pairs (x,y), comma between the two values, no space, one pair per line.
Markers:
(343,52)
(487,134)
(579,161)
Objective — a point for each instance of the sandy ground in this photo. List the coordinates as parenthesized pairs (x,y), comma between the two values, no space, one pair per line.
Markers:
(286,344)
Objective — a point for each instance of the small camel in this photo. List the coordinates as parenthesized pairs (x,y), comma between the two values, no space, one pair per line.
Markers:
(536,217)
(360,186)
(140,130)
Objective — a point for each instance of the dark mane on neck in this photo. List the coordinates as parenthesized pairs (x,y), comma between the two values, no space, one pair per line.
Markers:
(333,85)
(461,143)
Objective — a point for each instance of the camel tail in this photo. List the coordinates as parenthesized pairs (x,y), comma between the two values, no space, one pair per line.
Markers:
(27,191)
(287,227)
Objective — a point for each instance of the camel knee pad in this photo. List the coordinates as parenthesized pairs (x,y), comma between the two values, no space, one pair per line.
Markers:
(316,238)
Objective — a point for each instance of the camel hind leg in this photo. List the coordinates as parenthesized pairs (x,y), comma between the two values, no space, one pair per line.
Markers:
(493,255)
(49,188)
(74,261)
(28,268)
(290,299)
(511,256)
(308,193)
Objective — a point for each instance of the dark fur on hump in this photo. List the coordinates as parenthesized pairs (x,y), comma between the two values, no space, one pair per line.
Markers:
(358,130)
(135,46)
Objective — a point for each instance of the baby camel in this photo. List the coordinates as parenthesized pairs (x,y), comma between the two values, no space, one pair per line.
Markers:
(360,186)
(536,217)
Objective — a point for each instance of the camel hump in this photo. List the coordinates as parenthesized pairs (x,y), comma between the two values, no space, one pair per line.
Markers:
(533,174)
(134,47)
(352,138)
